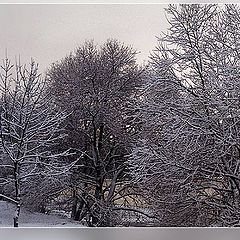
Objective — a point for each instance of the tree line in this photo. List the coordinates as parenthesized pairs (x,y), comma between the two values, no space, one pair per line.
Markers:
(112,137)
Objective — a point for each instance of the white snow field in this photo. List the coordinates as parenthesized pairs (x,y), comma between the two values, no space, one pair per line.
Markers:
(32,219)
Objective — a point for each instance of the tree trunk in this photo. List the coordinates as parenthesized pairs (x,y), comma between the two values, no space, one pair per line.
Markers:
(74,205)
(17,192)
(98,198)
(16,217)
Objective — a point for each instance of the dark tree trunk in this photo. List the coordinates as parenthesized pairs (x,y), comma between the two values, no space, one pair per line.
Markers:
(74,205)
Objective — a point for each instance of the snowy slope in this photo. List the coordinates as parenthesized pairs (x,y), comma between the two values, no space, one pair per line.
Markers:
(32,219)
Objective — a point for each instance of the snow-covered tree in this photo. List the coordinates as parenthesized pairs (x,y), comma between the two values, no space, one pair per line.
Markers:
(187,159)
(30,126)
(96,84)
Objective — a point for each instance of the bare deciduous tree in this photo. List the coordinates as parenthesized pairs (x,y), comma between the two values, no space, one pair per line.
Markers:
(96,84)
(189,159)
(30,125)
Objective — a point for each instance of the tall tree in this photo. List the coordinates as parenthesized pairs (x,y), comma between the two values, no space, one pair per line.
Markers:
(194,148)
(30,125)
(96,84)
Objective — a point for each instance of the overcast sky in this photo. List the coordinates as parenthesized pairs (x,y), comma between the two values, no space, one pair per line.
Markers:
(47,33)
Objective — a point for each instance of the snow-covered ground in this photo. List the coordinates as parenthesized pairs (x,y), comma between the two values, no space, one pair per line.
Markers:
(32,219)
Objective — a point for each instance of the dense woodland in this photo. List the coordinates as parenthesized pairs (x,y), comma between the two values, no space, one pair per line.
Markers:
(115,143)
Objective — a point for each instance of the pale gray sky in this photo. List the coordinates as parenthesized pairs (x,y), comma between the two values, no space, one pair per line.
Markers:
(49,32)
